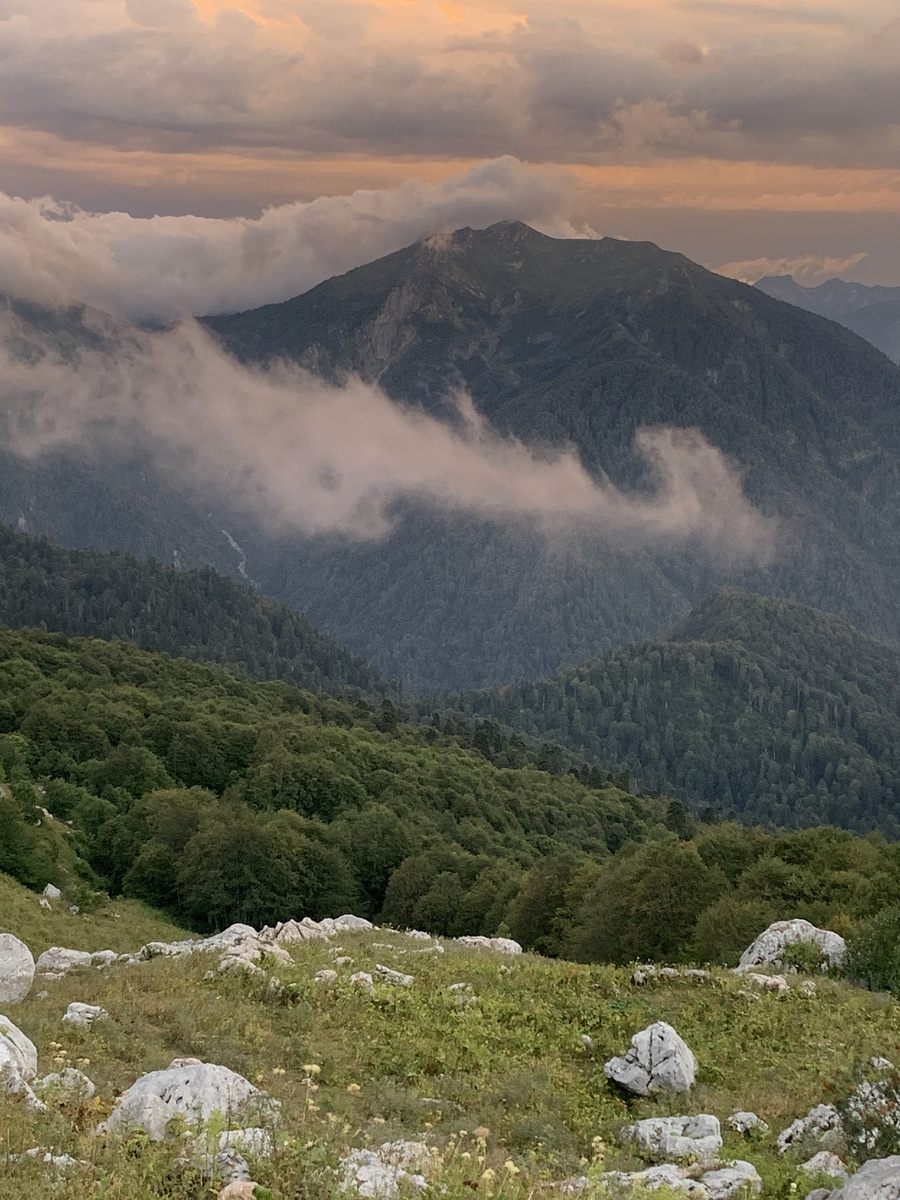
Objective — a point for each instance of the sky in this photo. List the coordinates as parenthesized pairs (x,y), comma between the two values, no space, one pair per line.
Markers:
(216,155)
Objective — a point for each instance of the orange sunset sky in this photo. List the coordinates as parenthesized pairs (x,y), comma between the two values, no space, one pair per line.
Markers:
(754,135)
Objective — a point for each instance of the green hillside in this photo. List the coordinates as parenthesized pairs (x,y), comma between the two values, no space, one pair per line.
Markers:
(195,614)
(221,800)
(762,707)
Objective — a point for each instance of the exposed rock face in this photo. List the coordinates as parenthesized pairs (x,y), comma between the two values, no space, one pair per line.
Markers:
(193,1089)
(381,1173)
(57,960)
(658,1061)
(16,969)
(500,945)
(877,1179)
(821,1126)
(768,949)
(18,1054)
(676,1137)
(84,1015)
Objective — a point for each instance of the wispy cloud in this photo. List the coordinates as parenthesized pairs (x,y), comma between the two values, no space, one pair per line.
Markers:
(811,267)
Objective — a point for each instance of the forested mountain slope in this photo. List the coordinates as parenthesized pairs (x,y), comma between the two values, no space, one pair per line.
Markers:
(585,342)
(192,614)
(759,706)
(221,800)
(558,342)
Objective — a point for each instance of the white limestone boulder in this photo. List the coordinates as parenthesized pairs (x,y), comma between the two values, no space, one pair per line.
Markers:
(52,893)
(59,961)
(68,1086)
(877,1179)
(699,1137)
(384,1173)
(395,978)
(498,944)
(84,1015)
(825,1163)
(658,1061)
(737,1178)
(768,949)
(193,1090)
(821,1127)
(18,1054)
(744,1122)
(16,969)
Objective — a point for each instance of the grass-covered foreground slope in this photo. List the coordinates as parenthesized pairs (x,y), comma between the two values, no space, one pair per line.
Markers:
(122,925)
(775,711)
(502,1080)
(195,614)
(221,800)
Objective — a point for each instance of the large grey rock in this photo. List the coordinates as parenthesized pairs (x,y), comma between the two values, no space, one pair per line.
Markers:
(18,1054)
(768,949)
(658,1061)
(821,1127)
(382,1174)
(192,1089)
(58,961)
(676,1137)
(16,969)
(52,893)
(877,1179)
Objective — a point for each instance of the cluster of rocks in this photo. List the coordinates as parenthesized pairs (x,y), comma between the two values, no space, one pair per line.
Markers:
(648,973)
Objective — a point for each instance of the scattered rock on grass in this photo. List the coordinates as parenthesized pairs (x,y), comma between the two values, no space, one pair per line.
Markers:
(192,1089)
(59,961)
(84,1015)
(52,893)
(395,978)
(500,945)
(822,1125)
(326,978)
(239,1191)
(384,1172)
(825,1163)
(743,1122)
(68,1086)
(364,981)
(737,1178)
(658,1061)
(676,1137)
(16,969)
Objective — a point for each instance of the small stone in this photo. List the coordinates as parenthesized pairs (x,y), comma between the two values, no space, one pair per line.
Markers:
(737,1178)
(743,1122)
(68,1086)
(245,1190)
(52,893)
(364,981)
(768,983)
(825,1163)
(326,978)
(45,904)
(84,1015)
(343,960)
(587,1041)
(395,978)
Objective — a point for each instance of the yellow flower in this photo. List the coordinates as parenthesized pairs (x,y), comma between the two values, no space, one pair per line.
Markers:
(311,1068)
(511,1167)
(488,1175)
(379,1121)
(278,1070)
(465,1156)
(354,1089)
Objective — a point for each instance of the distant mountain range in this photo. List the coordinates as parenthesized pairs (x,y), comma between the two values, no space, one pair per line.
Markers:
(558,342)
(872,312)
(755,706)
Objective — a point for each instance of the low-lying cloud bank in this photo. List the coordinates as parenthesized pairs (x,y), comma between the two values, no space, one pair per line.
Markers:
(306,456)
(166,267)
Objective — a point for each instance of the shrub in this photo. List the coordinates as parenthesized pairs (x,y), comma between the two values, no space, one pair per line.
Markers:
(873,952)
